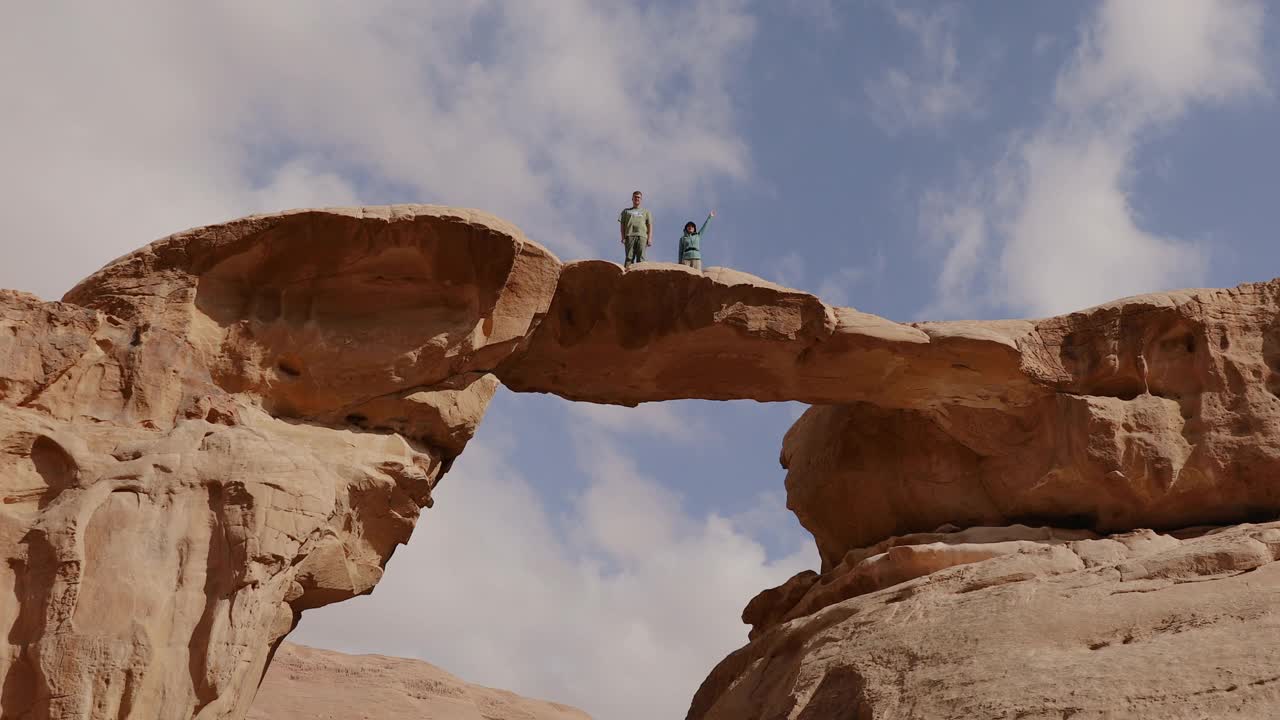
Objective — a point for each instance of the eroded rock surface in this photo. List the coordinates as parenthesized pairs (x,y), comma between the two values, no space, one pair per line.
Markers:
(1113,600)
(226,428)
(1138,625)
(663,332)
(309,684)
(241,422)
(1162,414)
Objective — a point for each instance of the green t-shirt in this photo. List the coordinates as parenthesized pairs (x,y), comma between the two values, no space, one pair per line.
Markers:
(636,222)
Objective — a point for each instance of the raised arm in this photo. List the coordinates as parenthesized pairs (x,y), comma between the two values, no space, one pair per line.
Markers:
(707,222)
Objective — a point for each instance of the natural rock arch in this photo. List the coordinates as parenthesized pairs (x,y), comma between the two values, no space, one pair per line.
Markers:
(262,407)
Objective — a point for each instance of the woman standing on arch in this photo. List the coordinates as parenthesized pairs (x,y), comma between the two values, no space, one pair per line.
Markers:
(691,243)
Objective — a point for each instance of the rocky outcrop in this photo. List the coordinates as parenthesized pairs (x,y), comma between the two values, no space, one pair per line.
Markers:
(309,684)
(1162,414)
(931,602)
(1137,625)
(241,422)
(226,428)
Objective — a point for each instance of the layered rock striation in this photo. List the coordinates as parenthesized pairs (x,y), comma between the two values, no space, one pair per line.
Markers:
(241,422)
(1136,625)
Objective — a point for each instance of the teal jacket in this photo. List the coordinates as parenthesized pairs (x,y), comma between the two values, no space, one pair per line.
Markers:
(691,243)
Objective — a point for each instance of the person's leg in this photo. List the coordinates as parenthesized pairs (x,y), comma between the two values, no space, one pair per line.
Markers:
(686,263)
(632,243)
(696,264)
(640,244)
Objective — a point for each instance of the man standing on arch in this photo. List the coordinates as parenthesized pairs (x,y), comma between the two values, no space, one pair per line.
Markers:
(636,226)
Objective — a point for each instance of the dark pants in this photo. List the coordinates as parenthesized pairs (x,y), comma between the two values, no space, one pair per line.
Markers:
(635,245)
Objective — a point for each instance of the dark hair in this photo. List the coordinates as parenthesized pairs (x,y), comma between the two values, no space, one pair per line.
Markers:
(691,224)
(637,192)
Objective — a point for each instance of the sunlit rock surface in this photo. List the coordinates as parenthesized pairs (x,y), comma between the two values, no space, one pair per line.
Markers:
(226,428)
(241,422)
(1047,559)
(309,684)
(1138,625)
(1162,414)
(664,332)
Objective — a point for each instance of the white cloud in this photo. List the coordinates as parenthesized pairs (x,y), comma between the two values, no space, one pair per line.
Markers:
(1139,62)
(931,90)
(132,120)
(658,419)
(1074,240)
(958,232)
(626,585)
(1051,228)
(832,287)
(769,519)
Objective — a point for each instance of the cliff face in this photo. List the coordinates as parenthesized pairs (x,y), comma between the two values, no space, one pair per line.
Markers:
(241,422)
(229,427)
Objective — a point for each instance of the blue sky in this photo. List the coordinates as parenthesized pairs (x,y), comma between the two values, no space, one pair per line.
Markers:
(912,159)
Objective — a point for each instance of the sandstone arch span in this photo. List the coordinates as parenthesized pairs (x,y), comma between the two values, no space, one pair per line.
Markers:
(240,422)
